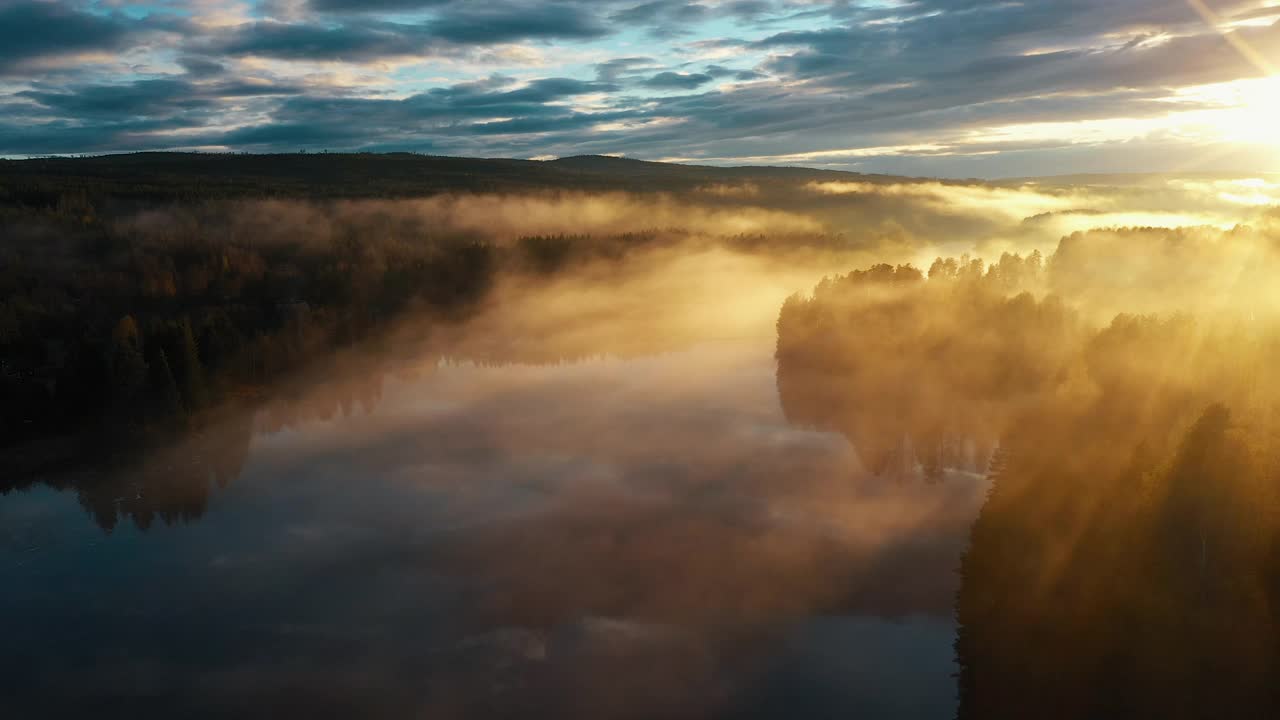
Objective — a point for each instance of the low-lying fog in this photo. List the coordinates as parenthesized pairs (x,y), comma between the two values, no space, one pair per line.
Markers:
(586,499)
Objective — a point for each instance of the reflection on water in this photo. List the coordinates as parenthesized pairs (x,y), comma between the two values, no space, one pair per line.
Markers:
(645,536)
(915,499)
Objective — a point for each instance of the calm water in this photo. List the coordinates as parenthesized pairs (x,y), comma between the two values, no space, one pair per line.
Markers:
(642,537)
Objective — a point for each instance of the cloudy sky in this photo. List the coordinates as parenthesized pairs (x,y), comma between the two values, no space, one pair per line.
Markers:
(930,87)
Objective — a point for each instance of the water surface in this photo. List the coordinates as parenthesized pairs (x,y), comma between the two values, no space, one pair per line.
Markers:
(638,536)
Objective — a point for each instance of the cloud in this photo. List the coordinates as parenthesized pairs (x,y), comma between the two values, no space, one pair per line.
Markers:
(370,6)
(996,87)
(500,22)
(483,107)
(31,31)
(677,81)
(615,68)
(287,134)
(306,41)
(148,97)
(447,33)
(200,66)
(664,18)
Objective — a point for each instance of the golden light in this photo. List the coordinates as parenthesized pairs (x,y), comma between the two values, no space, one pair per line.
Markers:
(1242,46)
(1245,112)
(1248,107)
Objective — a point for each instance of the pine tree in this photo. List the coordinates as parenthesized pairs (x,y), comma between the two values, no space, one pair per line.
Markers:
(166,398)
(127,366)
(190,370)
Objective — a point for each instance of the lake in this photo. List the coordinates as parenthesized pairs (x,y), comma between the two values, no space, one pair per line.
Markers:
(457,533)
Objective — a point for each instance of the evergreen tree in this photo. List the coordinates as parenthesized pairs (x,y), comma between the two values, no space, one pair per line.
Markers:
(127,366)
(190,370)
(1197,487)
(167,401)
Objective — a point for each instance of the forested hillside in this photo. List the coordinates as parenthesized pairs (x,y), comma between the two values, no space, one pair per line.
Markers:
(150,177)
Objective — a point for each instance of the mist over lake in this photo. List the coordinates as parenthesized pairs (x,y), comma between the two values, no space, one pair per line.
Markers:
(448,531)
(639,359)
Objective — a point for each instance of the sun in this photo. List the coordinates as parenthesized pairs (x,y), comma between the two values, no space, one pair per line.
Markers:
(1239,112)
(1253,120)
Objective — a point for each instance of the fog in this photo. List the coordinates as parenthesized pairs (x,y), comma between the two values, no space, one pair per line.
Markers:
(657,446)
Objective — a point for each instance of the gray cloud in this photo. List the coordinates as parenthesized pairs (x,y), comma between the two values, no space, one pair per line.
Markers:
(34,30)
(614,69)
(304,41)
(448,33)
(200,66)
(485,23)
(860,76)
(147,98)
(483,108)
(364,6)
(292,135)
(677,81)
(663,11)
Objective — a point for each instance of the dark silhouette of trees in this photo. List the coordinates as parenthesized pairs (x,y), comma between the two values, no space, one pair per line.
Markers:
(128,367)
(167,402)
(233,300)
(190,369)
(1082,598)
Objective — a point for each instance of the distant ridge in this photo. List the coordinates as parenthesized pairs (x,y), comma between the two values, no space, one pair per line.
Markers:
(613,163)
(605,162)
(1129,179)
(160,175)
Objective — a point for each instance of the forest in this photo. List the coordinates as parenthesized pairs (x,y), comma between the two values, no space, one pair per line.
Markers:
(1133,520)
(142,296)
(640,359)
(142,325)
(136,297)
(158,177)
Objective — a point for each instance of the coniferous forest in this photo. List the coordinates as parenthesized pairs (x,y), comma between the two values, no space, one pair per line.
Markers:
(564,407)
(639,359)
(139,292)
(1126,562)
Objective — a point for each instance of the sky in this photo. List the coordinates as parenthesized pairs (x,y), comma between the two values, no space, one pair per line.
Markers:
(951,88)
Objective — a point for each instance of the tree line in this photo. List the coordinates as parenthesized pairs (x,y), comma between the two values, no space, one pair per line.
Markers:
(1127,560)
(148,319)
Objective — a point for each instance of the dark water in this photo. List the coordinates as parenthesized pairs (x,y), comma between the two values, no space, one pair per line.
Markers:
(644,537)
